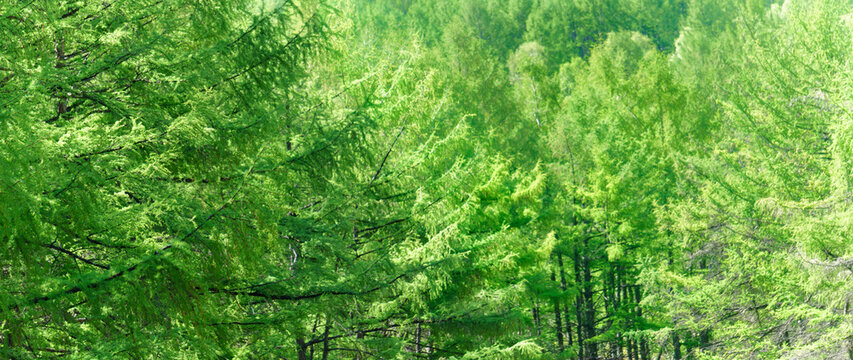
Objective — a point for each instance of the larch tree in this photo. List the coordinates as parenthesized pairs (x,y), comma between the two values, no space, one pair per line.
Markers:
(436,179)
(175,184)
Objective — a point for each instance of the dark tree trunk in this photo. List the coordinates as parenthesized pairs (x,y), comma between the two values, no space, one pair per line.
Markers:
(558,319)
(620,300)
(850,348)
(644,353)
(610,307)
(536,318)
(566,304)
(631,350)
(566,318)
(676,347)
(579,306)
(326,340)
(301,349)
(589,308)
(59,49)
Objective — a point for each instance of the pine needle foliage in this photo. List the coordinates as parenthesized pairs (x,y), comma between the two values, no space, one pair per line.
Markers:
(433,179)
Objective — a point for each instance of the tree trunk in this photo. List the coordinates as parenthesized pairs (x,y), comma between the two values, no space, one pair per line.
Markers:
(589,316)
(301,349)
(850,348)
(631,350)
(59,49)
(579,306)
(558,319)
(565,305)
(418,339)
(609,292)
(620,301)
(644,346)
(326,340)
(536,319)
(676,347)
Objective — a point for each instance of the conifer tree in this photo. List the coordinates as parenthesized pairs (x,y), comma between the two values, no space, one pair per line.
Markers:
(170,187)
(396,179)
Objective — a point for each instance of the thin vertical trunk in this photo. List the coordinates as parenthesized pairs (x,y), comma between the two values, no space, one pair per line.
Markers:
(625,302)
(569,341)
(644,345)
(589,305)
(620,300)
(301,349)
(579,305)
(628,298)
(850,348)
(359,334)
(59,49)
(565,305)
(536,319)
(676,347)
(631,350)
(418,339)
(557,318)
(429,348)
(326,340)
(313,330)
(850,339)
(609,314)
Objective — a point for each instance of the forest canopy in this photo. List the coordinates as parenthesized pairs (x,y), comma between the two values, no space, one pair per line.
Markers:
(426,179)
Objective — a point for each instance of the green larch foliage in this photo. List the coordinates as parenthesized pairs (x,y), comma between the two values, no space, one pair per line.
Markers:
(437,179)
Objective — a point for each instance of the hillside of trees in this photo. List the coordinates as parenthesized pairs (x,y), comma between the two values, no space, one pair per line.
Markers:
(426,179)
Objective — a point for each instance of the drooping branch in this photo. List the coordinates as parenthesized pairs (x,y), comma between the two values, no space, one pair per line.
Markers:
(75,256)
(306,296)
(385,158)
(93,285)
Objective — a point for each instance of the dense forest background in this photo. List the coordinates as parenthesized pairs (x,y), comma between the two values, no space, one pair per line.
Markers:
(426,179)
